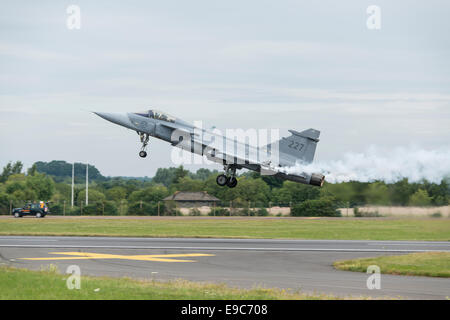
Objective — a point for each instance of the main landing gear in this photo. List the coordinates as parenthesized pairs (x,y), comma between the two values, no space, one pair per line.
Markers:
(229,178)
(144,140)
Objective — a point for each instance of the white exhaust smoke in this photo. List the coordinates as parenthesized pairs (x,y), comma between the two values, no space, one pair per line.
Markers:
(412,163)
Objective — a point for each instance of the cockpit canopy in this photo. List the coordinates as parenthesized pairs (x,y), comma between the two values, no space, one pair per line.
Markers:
(156,114)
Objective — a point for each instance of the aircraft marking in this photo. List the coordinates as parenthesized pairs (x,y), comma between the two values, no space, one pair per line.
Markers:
(145,257)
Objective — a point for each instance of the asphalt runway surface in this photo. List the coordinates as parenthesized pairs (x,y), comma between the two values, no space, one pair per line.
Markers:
(296,264)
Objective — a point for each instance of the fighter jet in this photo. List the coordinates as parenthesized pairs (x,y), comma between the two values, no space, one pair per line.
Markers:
(233,153)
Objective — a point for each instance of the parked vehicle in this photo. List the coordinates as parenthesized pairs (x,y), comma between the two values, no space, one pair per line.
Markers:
(40,210)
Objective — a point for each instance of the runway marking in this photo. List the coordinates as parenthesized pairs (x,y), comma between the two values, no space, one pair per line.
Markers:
(145,257)
(223,248)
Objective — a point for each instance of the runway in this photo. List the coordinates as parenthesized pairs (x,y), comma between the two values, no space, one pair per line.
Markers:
(304,265)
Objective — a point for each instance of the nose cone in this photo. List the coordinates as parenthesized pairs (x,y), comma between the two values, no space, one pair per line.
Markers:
(117,118)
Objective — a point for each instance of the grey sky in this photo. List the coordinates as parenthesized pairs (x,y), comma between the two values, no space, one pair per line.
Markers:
(247,64)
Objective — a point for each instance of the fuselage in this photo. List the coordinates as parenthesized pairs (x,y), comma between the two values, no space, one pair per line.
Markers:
(233,150)
(194,139)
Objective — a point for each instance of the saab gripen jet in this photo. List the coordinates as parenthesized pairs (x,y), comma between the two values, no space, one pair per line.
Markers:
(270,159)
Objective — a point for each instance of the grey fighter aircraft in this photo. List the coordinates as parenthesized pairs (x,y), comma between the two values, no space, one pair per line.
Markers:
(232,152)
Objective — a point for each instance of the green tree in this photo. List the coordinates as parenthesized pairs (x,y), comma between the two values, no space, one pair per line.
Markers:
(377,193)
(180,173)
(149,194)
(420,198)
(247,189)
(295,192)
(203,174)
(62,169)
(101,208)
(401,191)
(255,190)
(94,196)
(12,185)
(315,208)
(281,196)
(4,203)
(116,193)
(63,190)
(10,169)
(146,208)
(344,193)
(188,184)
(32,171)
(43,185)
(164,176)
(438,192)
(18,190)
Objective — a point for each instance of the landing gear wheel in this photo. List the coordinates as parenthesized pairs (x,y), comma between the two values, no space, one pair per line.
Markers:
(222,180)
(144,140)
(232,182)
(142,154)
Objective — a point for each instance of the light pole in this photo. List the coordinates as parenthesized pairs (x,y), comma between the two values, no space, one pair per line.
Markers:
(87,183)
(73,175)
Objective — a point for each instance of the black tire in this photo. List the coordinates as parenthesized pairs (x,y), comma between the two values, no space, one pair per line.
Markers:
(232,182)
(222,180)
(142,154)
(17,215)
(39,215)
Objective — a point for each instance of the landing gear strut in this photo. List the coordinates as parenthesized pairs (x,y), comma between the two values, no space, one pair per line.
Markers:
(229,178)
(144,140)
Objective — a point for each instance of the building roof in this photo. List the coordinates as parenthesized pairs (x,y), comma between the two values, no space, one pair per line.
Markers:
(191,196)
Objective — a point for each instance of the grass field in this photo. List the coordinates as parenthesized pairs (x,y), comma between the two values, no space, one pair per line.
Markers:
(431,264)
(281,228)
(34,285)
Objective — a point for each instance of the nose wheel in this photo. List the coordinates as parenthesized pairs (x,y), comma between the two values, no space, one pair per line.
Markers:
(142,154)
(144,140)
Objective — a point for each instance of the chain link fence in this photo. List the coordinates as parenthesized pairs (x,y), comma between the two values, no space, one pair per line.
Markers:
(154,208)
(172,208)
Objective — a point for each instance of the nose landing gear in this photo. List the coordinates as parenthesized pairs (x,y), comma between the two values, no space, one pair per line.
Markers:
(142,154)
(229,178)
(144,140)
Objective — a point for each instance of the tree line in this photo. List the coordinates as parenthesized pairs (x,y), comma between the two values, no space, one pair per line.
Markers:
(124,195)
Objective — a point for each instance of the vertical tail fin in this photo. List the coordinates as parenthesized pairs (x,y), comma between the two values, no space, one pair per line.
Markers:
(299,146)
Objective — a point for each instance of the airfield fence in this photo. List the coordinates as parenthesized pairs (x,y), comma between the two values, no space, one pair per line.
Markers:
(156,208)
(221,208)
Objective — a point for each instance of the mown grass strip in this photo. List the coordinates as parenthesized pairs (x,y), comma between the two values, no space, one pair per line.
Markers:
(430,264)
(22,284)
(283,228)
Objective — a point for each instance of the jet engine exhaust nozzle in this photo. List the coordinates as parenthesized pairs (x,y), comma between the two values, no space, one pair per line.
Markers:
(317,179)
